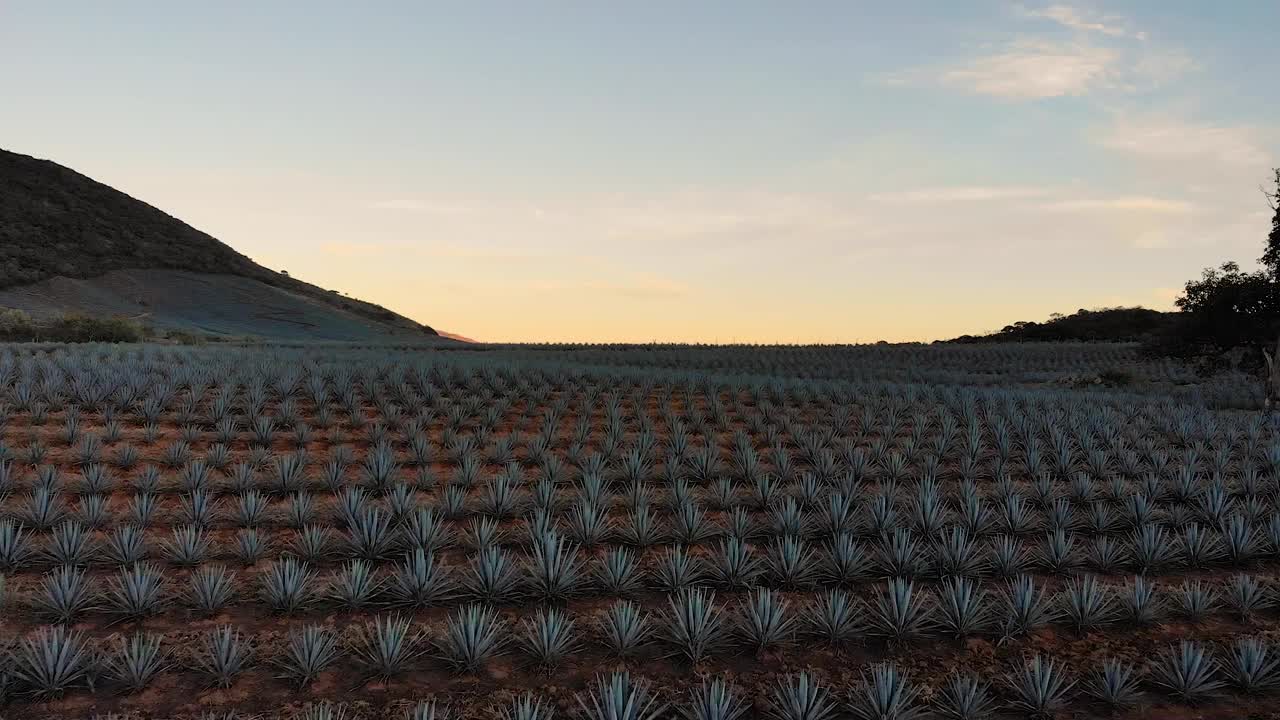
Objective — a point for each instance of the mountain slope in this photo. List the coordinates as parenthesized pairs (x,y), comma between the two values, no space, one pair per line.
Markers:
(71,244)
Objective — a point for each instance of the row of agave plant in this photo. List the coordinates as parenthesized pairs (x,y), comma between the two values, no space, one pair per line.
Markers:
(781,548)
(881,434)
(263,401)
(56,660)
(804,533)
(897,610)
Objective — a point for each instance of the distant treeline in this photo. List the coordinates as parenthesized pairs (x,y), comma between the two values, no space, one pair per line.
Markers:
(1118,324)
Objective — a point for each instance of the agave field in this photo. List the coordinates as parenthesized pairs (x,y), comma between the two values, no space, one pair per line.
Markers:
(632,533)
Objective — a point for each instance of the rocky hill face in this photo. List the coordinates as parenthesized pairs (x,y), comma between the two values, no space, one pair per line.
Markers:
(56,223)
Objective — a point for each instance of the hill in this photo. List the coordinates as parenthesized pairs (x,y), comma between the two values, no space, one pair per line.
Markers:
(71,244)
(1118,324)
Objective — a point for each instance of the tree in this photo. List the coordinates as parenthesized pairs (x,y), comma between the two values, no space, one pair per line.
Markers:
(1227,308)
(1271,258)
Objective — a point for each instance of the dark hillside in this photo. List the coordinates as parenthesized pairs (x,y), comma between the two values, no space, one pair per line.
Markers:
(55,222)
(1135,324)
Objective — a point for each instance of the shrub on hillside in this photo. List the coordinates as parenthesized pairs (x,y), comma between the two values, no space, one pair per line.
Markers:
(18,326)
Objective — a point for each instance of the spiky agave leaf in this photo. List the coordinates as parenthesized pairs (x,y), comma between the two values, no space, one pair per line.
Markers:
(127,544)
(548,637)
(1038,687)
(15,545)
(1195,599)
(223,655)
(1189,672)
(735,565)
(800,697)
(189,546)
(764,620)
(425,710)
(386,646)
(690,524)
(618,573)
(1115,683)
(425,529)
(370,535)
(1252,665)
(1007,556)
(641,527)
(355,585)
(492,576)
(678,570)
(885,694)
(1246,596)
(1026,607)
(136,591)
(901,555)
(210,588)
(308,652)
(472,635)
(624,628)
(1086,604)
(70,544)
(715,699)
(287,585)
(312,544)
(51,661)
(555,568)
(618,697)
(835,617)
(963,607)
(1139,602)
(65,594)
(901,612)
(964,697)
(137,661)
(527,707)
(791,564)
(694,626)
(845,561)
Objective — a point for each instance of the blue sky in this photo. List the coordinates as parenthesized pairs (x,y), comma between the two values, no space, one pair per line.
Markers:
(681,171)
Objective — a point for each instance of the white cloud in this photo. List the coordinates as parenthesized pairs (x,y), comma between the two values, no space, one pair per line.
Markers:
(1023,70)
(1085,21)
(1123,203)
(1100,54)
(1226,145)
(930,196)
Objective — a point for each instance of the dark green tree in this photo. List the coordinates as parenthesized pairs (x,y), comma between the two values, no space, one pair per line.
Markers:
(1271,258)
(1228,307)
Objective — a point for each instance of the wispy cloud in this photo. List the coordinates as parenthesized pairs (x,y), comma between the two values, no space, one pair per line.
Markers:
(1023,70)
(1082,20)
(932,196)
(1122,204)
(1228,145)
(1102,52)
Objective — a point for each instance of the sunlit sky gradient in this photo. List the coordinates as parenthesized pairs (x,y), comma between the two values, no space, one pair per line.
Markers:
(687,171)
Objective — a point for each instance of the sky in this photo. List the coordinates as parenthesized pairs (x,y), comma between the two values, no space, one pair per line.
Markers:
(844,171)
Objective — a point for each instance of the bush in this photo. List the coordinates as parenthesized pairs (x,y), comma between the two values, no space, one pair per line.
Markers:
(18,326)
(15,324)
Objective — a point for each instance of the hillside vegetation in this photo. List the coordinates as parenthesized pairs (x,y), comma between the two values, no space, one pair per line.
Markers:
(1120,324)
